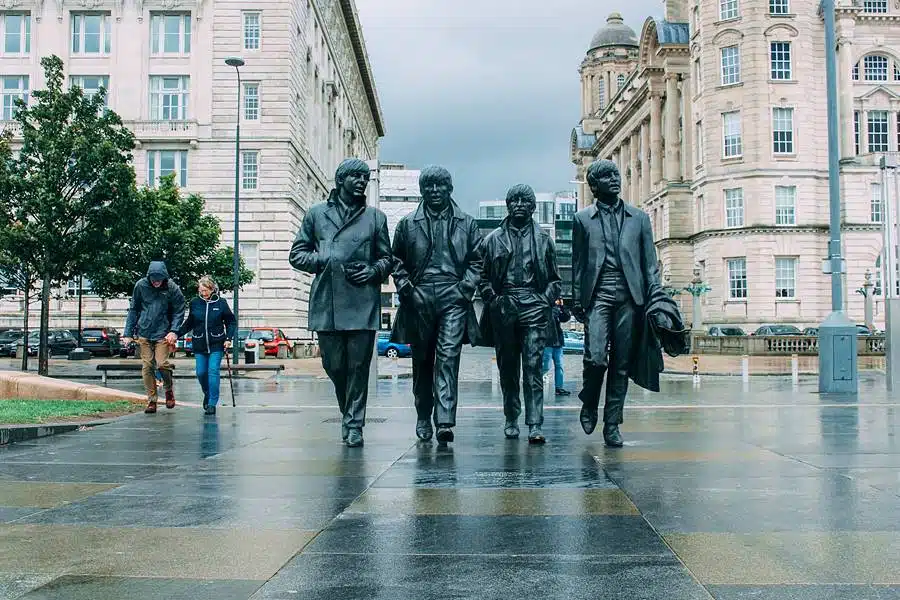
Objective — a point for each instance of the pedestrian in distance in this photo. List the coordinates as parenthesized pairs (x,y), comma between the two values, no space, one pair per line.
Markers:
(212,325)
(157,311)
(554,350)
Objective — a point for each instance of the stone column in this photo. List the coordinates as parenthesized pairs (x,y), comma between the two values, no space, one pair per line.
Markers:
(845,97)
(673,107)
(868,293)
(687,129)
(655,137)
(635,186)
(646,189)
(624,153)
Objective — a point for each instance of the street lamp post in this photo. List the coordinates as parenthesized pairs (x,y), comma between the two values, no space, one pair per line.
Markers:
(237,63)
(890,201)
(837,334)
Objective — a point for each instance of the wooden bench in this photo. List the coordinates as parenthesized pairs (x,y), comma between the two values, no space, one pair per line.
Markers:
(105,368)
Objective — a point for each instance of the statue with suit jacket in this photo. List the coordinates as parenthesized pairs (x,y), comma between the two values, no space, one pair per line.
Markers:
(436,272)
(346,245)
(628,317)
(519,283)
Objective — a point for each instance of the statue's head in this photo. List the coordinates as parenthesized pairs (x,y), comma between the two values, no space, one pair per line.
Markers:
(436,185)
(604,180)
(520,202)
(352,178)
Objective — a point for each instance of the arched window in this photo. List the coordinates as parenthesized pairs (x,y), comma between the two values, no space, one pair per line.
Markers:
(602,91)
(620,81)
(875,68)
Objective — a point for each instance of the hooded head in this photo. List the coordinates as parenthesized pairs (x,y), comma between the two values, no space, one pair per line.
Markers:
(157,273)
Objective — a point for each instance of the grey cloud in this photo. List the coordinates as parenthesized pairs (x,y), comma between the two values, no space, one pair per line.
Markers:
(488,88)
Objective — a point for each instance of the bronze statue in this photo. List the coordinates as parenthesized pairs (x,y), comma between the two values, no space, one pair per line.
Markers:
(519,283)
(436,271)
(617,295)
(346,244)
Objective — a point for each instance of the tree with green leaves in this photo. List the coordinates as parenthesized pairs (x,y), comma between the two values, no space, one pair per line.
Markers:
(73,182)
(173,228)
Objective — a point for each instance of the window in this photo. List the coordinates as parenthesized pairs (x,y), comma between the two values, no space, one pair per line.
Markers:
(856,130)
(165,162)
(15,86)
(734,207)
(875,6)
(780,60)
(16,30)
(698,143)
(785,205)
(728,9)
(855,72)
(779,7)
(601,94)
(251,102)
(170,34)
(698,75)
(91,33)
(90,84)
(731,128)
(731,65)
(701,213)
(250,253)
(877,128)
(86,286)
(620,81)
(785,278)
(7,287)
(737,278)
(169,97)
(875,68)
(896,72)
(249,170)
(783,130)
(252,30)
(876,212)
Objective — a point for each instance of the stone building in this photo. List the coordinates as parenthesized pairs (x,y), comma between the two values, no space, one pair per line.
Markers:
(308,100)
(716,116)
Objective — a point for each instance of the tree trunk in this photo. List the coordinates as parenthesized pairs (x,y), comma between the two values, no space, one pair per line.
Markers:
(44,349)
(25,324)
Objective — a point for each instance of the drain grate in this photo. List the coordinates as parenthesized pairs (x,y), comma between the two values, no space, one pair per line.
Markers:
(274,411)
(368,420)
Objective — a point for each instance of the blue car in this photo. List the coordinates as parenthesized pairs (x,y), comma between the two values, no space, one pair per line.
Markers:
(573,342)
(391,349)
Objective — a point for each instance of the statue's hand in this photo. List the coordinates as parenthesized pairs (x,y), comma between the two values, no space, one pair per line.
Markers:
(363,276)
(578,313)
(662,320)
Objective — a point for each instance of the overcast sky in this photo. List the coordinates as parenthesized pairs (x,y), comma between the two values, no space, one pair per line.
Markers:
(487,88)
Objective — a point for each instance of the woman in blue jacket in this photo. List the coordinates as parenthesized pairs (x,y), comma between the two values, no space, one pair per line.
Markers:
(212,324)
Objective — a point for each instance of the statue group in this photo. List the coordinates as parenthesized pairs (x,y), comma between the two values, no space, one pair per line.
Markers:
(439,261)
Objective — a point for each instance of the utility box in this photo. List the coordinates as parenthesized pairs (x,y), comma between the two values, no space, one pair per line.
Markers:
(251,352)
(838,372)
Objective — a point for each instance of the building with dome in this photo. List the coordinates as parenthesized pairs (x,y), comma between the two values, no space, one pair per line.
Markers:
(716,116)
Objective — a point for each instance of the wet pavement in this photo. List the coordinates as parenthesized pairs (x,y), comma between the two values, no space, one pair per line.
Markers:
(728,490)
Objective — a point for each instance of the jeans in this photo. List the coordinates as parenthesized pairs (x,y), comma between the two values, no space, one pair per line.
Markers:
(557,355)
(208,374)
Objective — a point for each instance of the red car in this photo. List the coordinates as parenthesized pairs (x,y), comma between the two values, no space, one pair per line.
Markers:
(271,338)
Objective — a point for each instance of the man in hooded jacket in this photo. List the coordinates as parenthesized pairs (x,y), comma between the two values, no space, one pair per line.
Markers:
(157,311)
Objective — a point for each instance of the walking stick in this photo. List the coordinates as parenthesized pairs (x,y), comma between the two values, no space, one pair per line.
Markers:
(230,382)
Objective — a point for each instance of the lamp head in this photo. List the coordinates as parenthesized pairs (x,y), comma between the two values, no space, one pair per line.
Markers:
(234,61)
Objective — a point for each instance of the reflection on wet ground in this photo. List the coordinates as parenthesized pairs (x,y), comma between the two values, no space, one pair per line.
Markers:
(763,490)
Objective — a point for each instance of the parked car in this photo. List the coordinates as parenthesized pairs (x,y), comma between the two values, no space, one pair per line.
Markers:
(271,338)
(8,341)
(60,341)
(103,341)
(185,344)
(811,331)
(573,342)
(864,330)
(391,349)
(725,331)
(777,330)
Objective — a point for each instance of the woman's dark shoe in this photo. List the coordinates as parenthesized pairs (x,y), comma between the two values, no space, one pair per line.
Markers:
(205,401)
(210,410)
(563,392)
